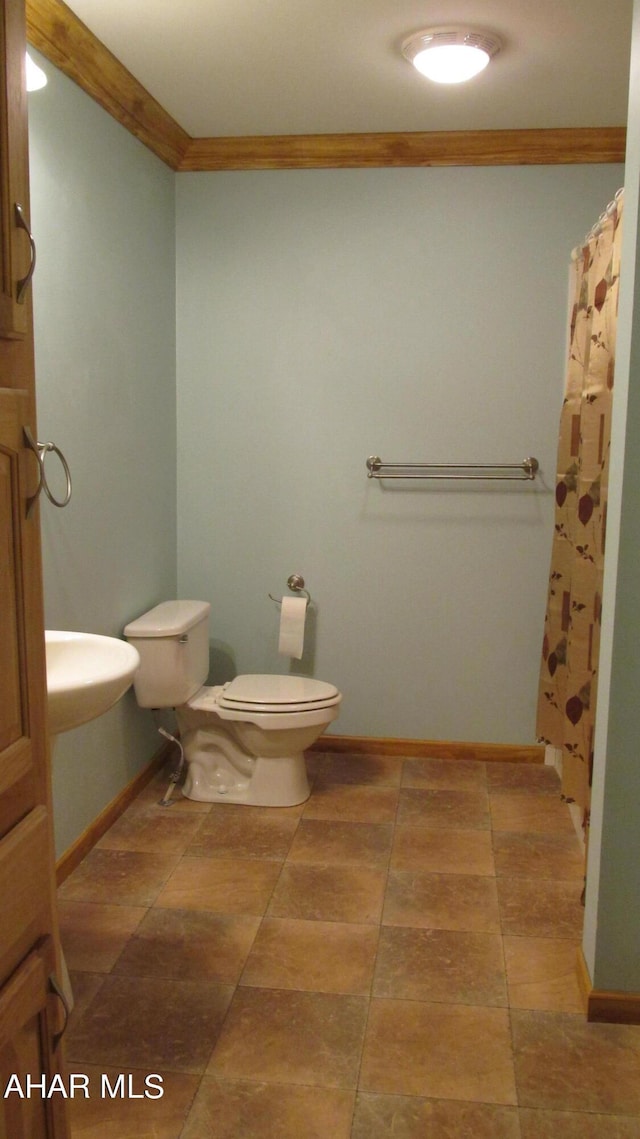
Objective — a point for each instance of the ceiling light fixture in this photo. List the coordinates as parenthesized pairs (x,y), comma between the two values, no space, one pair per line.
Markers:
(36,77)
(450,55)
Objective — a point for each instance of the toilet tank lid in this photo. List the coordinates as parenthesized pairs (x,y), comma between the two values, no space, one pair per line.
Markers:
(168,619)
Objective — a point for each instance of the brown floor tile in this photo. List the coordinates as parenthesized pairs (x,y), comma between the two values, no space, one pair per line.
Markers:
(227,886)
(291,1038)
(541,973)
(576,1125)
(329,893)
(286,905)
(533,907)
(351,802)
(135,879)
(324,957)
(193,946)
(84,987)
(230,1109)
(150,796)
(454,966)
(150,1024)
(123,1117)
(155,833)
(443,851)
(94,935)
(444,1051)
(441,901)
(534,855)
(564,1063)
(445,774)
(235,831)
(318,841)
(381,770)
(460,810)
(526,811)
(530,777)
(382,1116)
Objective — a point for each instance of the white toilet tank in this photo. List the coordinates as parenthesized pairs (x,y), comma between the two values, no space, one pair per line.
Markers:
(173,642)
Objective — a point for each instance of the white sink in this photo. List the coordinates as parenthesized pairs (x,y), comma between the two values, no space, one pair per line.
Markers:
(86,675)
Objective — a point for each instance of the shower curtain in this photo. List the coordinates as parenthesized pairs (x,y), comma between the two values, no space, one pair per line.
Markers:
(569,666)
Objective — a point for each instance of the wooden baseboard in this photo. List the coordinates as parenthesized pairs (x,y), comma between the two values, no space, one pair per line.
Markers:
(431,749)
(603,1006)
(584,980)
(613,1008)
(73,856)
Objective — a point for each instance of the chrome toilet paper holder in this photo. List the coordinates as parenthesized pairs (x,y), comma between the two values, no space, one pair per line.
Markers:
(296,584)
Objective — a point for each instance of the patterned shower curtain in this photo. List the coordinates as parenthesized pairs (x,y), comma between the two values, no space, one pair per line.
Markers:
(569,666)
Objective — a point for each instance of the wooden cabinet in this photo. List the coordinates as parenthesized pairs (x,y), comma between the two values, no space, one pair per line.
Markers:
(16,250)
(32,1106)
(30,1010)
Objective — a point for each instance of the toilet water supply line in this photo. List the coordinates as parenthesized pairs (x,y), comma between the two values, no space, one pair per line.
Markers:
(174,778)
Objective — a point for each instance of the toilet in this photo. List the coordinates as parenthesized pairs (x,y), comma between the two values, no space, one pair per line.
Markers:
(243,741)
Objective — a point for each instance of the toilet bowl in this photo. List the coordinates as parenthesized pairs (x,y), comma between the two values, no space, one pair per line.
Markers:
(243,741)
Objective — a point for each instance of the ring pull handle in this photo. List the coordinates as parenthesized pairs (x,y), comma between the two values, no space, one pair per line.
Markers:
(57,989)
(23,284)
(40,450)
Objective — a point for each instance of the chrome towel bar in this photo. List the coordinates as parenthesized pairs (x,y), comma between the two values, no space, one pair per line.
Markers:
(377,469)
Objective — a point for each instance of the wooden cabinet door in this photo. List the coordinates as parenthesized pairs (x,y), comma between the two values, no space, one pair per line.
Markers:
(16,250)
(22,692)
(28,928)
(32,1103)
(23,739)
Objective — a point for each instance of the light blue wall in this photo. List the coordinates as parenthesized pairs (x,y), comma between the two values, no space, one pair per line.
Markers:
(321,317)
(612,915)
(324,316)
(102,209)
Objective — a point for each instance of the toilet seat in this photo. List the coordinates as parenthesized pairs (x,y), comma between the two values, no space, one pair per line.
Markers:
(268,700)
(267,693)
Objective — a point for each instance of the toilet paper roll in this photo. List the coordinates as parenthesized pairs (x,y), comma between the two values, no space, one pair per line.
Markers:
(293,612)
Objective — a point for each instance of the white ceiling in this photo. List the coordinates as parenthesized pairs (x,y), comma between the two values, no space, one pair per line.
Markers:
(265,67)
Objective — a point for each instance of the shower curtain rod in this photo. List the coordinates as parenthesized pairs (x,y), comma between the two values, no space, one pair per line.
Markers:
(377,470)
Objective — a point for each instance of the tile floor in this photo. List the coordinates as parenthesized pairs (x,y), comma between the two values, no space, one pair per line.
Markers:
(395,957)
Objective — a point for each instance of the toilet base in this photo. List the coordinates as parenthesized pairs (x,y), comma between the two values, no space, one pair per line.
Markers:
(236,761)
(264,782)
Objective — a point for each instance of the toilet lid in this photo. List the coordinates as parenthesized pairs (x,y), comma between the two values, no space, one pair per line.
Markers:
(276,693)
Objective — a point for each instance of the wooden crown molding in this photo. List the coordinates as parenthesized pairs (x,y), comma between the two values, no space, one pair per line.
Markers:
(419,148)
(54,30)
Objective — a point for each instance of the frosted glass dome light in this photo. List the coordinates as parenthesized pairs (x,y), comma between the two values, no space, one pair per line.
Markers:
(450,55)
